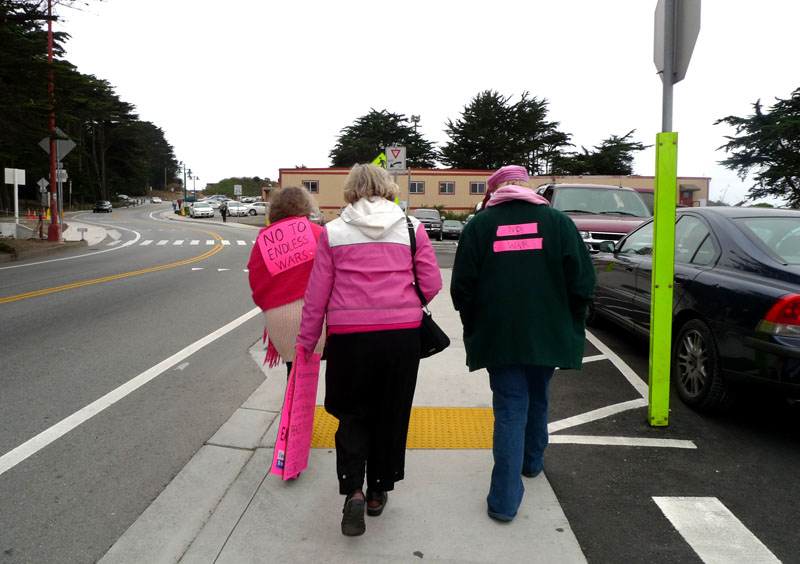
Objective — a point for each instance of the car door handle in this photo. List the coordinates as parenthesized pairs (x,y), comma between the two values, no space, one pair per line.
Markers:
(628,268)
(680,280)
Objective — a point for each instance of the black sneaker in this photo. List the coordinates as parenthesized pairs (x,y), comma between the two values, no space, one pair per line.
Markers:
(353,519)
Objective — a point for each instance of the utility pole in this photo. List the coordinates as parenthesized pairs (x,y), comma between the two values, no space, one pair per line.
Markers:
(54,231)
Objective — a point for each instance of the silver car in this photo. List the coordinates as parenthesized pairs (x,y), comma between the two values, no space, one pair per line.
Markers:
(201,209)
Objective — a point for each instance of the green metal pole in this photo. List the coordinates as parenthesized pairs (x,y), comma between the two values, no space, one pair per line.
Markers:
(663,276)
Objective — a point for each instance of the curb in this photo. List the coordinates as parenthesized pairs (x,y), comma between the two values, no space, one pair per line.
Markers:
(50,250)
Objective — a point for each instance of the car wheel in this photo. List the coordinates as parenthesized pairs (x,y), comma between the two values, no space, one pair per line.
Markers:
(252,212)
(695,368)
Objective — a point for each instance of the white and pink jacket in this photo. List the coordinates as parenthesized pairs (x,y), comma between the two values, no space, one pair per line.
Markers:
(362,278)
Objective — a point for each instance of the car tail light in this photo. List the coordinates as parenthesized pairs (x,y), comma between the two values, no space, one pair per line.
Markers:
(784,317)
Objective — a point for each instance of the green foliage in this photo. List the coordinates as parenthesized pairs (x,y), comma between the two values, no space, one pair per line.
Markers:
(250,186)
(372,133)
(115,151)
(493,132)
(768,144)
(614,156)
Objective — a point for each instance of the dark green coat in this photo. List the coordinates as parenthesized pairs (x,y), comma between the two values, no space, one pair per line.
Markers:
(528,306)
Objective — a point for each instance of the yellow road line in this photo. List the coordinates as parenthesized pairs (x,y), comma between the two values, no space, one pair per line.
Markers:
(429,428)
(214,250)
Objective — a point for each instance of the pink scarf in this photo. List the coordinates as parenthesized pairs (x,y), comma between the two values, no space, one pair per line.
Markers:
(513,192)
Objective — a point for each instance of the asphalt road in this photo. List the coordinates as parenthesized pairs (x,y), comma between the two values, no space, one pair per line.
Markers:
(70,500)
(133,304)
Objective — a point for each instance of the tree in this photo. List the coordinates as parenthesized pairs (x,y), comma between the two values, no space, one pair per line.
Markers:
(767,143)
(614,156)
(372,133)
(493,132)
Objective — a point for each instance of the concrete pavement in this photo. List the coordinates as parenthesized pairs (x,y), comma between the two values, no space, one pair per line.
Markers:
(224,507)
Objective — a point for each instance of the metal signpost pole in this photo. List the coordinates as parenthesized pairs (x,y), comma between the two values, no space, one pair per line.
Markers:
(677,23)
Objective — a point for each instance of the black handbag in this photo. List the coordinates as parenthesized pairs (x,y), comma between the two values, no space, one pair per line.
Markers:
(432,339)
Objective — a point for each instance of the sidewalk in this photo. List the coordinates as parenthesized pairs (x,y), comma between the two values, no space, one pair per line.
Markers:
(77,231)
(224,508)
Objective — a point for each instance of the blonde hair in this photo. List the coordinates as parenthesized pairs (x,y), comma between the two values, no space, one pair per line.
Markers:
(365,181)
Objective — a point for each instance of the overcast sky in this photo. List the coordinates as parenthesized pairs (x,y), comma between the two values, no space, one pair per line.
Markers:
(245,87)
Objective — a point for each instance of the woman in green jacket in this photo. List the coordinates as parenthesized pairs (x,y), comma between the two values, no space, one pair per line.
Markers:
(522,280)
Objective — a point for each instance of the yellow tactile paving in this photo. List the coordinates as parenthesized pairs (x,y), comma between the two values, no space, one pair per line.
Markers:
(429,427)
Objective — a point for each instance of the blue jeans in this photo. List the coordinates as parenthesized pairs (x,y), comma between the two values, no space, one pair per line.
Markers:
(520,432)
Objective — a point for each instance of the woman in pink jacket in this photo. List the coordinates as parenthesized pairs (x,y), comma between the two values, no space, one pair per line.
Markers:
(362,285)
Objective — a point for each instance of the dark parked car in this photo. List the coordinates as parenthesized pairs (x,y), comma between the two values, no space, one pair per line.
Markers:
(431,220)
(102,206)
(736,298)
(600,212)
(451,229)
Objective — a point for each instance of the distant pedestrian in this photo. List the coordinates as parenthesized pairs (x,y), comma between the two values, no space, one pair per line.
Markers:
(362,284)
(174,206)
(280,297)
(223,210)
(522,280)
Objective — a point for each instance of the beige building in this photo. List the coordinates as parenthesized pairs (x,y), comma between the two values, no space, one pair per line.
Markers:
(459,191)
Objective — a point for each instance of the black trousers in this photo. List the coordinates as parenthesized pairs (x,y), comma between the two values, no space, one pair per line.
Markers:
(370,380)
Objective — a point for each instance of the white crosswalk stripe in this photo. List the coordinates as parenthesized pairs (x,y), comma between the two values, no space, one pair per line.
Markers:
(194,242)
(146,242)
(178,242)
(226,242)
(209,241)
(162,242)
(240,242)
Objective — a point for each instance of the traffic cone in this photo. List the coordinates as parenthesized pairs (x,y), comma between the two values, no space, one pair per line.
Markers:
(29,213)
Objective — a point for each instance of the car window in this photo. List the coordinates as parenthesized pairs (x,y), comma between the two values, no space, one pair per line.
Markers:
(600,201)
(452,223)
(781,235)
(690,234)
(640,242)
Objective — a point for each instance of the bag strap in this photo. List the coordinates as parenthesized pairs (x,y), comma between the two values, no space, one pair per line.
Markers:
(412,238)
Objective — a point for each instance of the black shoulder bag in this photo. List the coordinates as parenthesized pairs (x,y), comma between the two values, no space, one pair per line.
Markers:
(432,339)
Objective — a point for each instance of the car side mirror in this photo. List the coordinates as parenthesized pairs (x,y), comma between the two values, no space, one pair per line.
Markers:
(607,246)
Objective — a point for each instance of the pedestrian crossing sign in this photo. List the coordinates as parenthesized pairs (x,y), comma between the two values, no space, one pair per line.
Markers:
(380,160)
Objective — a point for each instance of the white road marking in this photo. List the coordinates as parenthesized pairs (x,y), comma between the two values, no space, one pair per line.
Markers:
(226,242)
(196,268)
(713,532)
(240,242)
(112,243)
(595,415)
(620,441)
(194,242)
(52,434)
(222,269)
(91,254)
(178,242)
(626,370)
(181,366)
(147,242)
(209,241)
(245,270)
(162,242)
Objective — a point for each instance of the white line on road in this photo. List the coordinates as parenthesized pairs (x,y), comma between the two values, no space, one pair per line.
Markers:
(194,242)
(48,436)
(595,415)
(226,242)
(178,242)
(713,532)
(209,241)
(626,370)
(620,441)
(162,242)
(147,242)
(240,242)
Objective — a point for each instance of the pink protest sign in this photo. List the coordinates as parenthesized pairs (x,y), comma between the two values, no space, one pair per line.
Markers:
(287,244)
(518,245)
(279,454)
(518,229)
(294,435)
